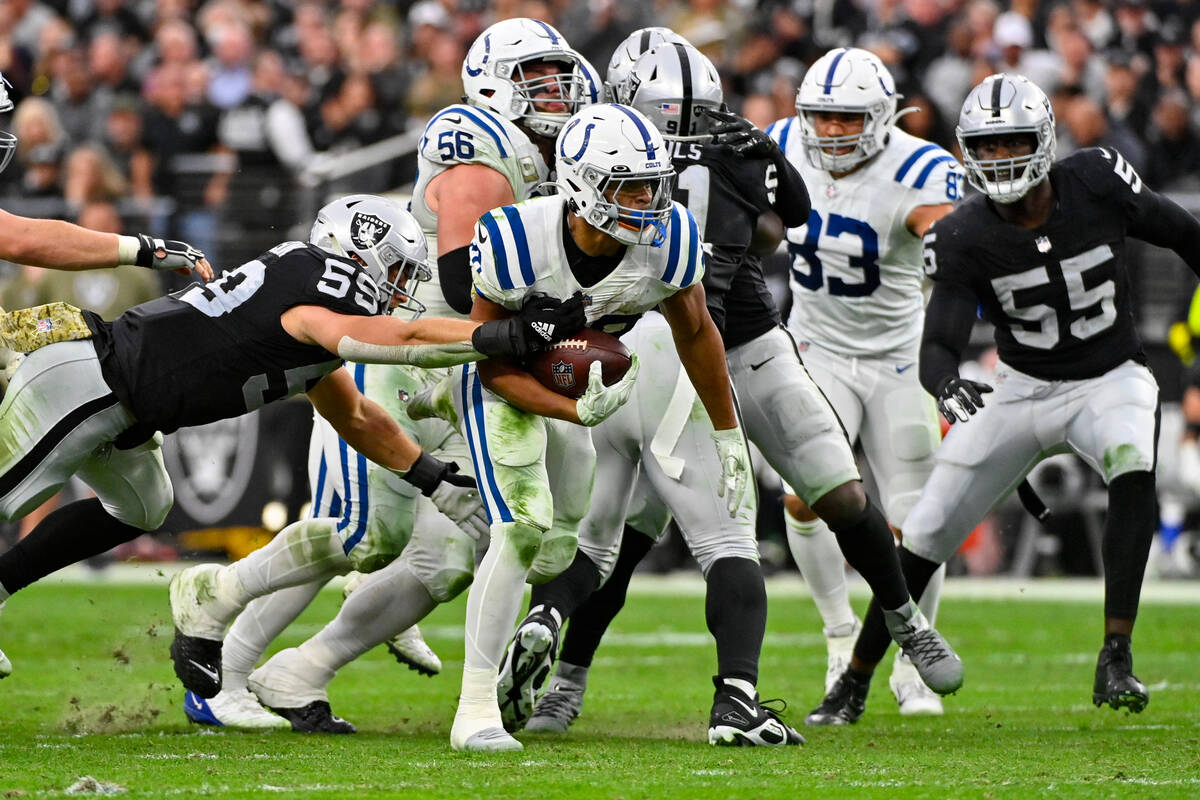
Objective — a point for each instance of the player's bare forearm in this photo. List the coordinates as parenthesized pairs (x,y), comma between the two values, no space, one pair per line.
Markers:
(362,423)
(55,244)
(522,390)
(702,353)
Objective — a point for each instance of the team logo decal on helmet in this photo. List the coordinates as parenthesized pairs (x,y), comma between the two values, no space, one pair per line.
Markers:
(367,230)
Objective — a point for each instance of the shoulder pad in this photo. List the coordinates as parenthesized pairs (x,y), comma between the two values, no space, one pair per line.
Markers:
(684,264)
(465,134)
(502,232)
(1103,170)
(916,168)
(781,130)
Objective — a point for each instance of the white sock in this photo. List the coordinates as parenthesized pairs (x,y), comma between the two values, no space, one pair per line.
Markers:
(816,551)
(933,595)
(256,627)
(743,686)
(303,552)
(493,603)
(384,604)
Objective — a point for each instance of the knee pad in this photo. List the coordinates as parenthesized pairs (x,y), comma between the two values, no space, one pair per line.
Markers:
(555,554)
(442,558)
(387,529)
(524,540)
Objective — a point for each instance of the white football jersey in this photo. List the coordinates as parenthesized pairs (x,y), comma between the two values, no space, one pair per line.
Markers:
(518,251)
(465,134)
(856,269)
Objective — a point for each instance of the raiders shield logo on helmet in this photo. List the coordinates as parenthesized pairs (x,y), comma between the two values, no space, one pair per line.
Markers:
(564,374)
(367,230)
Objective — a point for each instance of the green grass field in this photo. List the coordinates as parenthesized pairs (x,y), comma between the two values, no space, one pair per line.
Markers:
(94,694)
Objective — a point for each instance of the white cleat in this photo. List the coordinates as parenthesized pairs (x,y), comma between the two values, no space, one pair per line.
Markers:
(5,665)
(839,649)
(235,708)
(477,729)
(488,740)
(913,696)
(409,648)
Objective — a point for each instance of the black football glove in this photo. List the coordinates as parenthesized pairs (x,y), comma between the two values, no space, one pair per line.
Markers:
(542,321)
(740,136)
(175,254)
(960,398)
(427,473)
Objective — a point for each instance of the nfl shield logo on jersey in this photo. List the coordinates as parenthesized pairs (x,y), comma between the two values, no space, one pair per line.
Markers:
(367,230)
(44,325)
(564,374)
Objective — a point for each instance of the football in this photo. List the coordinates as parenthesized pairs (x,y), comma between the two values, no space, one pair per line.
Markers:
(563,367)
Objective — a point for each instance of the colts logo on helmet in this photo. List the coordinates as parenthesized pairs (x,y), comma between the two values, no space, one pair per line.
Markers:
(367,230)
(563,373)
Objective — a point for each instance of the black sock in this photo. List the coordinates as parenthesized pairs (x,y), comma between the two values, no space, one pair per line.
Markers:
(1120,640)
(571,587)
(591,620)
(869,547)
(735,607)
(72,533)
(1128,531)
(874,639)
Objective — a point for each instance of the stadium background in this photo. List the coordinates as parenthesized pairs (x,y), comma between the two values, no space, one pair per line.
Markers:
(228,123)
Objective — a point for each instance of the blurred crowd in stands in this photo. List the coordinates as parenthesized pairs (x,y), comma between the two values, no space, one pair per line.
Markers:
(174,112)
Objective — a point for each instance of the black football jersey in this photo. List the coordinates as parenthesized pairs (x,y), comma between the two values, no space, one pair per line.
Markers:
(726,194)
(217,350)
(1058,295)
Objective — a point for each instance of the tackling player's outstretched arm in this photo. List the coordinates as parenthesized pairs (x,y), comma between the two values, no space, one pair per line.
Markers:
(702,353)
(54,244)
(459,197)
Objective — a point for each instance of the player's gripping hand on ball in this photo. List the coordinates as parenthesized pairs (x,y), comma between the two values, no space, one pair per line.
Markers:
(959,399)
(600,402)
(542,321)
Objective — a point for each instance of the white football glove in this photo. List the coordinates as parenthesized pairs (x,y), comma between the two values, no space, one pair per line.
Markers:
(166,254)
(463,505)
(735,467)
(600,402)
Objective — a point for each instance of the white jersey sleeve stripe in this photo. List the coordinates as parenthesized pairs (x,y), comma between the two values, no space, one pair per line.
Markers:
(499,251)
(915,157)
(673,247)
(924,176)
(689,275)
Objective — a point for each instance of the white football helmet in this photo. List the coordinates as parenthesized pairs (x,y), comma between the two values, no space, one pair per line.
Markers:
(493,74)
(627,54)
(852,81)
(1007,104)
(8,141)
(672,84)
(608,153)
(382,237)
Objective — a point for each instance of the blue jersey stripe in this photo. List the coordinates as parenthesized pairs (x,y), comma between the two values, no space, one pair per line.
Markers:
(832,69)
(913,159)
(673,247)
(472,400)
(357,494)
(651,153)
(924,176)
(522,243)
(787,131)
(498,251)
(481,118)
(693,251)
(318,499)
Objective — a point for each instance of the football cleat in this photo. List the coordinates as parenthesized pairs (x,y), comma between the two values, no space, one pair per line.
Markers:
(938,665)
(741,721)
(557,708)
(838,650)
(1115,682)
(235,708)
(316,717)
(196,648)
(410,649)
(5,665)
(488,740)
(527,665)
(843,704)
(914,697)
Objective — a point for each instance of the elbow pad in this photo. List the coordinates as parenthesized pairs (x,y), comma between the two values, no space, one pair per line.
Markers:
(454,274)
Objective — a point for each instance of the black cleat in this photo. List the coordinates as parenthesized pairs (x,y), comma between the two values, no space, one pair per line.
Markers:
(740,721)
(844,703)
(316,717)
(197,664)
(1115,682)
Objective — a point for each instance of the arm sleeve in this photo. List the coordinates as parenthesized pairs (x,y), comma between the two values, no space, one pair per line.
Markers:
(791,201)
(454,274)
(948,321)
(1161,221)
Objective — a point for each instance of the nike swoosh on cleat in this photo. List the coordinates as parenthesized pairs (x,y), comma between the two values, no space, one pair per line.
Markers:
(761,363)
(196,700)
(753,712)
(903,368)
(209,672)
